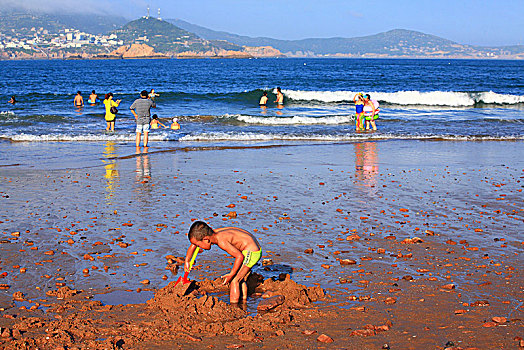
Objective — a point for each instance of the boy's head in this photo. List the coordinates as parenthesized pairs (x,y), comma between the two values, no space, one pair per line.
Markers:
(155,116)
(199,234)
(144,94)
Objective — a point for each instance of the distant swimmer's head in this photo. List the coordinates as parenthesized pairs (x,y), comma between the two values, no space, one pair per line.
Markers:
(93,92)
(367,96)
(78,93)
(144,94)
(175,120)
(108,95)
(278,89)
(155,116)
(265,93)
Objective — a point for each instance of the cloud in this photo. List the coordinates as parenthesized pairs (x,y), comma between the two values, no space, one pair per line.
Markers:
(107,7)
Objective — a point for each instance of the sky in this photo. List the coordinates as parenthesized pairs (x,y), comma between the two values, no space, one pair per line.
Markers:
(474,22)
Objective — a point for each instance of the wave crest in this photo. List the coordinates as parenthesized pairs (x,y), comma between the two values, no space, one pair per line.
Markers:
(431,98)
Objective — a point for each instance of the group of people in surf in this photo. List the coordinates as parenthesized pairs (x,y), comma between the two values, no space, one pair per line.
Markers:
(366,112)
(366,109)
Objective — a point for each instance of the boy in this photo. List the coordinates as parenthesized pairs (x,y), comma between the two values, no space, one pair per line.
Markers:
(239,243)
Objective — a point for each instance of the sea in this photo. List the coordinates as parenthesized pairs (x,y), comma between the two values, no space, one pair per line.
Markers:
(216,100)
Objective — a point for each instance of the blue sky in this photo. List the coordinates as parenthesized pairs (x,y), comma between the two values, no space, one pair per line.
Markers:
(477,22)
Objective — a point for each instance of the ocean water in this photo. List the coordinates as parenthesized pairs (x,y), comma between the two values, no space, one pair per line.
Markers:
(216,101)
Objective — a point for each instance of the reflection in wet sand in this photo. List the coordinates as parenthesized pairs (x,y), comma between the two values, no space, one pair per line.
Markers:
(143,174)
(111,173)
(366,166)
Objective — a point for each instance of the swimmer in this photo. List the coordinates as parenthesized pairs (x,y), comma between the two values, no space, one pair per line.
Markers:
(12,100)
(359,111)
(280,98)
(93,97)
(152,94)
(175,125)
(79,100)
(155,122)
(263,100)
(238,243)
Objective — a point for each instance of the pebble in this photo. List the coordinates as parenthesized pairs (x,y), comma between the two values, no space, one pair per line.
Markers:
(270,303)
(309,251)
(325,339)
(347,262)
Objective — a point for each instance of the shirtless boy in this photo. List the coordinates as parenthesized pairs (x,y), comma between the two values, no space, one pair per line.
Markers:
(239,243)
(78,101)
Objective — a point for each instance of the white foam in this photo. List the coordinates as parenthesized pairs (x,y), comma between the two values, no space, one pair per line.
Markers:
(7,113)
(83,138)
(220,136)
(432,98)
(296,120)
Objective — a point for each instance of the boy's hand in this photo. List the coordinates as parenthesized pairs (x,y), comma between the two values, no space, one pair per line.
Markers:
(227,278)
(186,266)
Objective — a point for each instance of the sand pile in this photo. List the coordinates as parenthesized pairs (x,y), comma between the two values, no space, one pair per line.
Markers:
(176,313)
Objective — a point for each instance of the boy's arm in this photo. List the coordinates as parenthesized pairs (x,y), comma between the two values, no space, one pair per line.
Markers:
(189,255)
(239,258)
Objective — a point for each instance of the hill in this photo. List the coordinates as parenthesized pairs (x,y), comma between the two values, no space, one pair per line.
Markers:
(394,43)
(165,37)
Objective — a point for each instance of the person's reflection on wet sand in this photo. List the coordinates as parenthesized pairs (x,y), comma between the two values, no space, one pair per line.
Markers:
(366,163)
(111,172)
(143,167)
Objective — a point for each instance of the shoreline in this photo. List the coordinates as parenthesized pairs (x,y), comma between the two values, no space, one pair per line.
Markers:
(286,57)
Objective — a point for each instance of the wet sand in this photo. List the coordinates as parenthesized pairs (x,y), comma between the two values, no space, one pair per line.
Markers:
(415,244)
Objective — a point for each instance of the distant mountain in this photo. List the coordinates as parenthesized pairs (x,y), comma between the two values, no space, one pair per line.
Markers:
(166,37)
(13,21)
(394,43)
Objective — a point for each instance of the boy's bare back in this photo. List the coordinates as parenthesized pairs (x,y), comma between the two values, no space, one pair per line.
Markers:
(237,237)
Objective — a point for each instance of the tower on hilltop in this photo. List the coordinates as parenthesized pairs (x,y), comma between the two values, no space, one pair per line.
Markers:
(147,12)
(159,15)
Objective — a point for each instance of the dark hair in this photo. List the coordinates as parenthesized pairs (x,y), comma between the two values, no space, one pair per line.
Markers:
(93,92)
(278,89)
(199,230)
(78,93)
(368,97)
(108,95)
(155,116)
(144,93)
(265,93)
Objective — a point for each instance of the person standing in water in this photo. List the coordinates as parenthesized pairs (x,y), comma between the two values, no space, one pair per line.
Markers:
(263,100)
(280,98)
(141,109)
(79,100)
(359,111)
(371,111)
(110,116)
(12,100)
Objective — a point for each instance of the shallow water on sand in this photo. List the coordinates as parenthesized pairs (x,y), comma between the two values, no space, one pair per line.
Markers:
(291,197)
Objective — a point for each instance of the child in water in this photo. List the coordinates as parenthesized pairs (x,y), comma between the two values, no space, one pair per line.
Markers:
(359,111)
(155,122)
(175,125)
(239,243)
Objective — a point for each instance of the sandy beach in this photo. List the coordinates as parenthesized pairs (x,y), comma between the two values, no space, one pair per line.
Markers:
(374,245)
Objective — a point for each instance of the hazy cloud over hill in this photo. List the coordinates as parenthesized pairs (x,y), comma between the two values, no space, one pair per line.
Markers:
(73,6)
